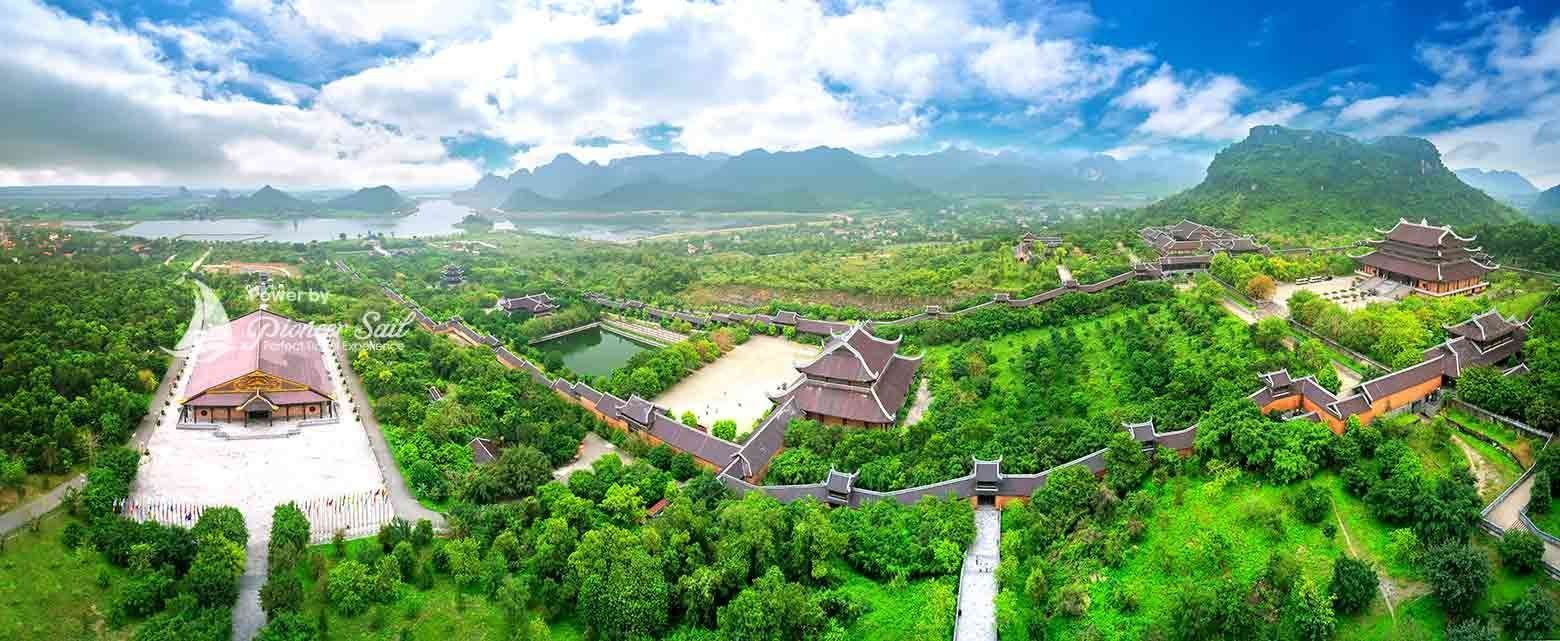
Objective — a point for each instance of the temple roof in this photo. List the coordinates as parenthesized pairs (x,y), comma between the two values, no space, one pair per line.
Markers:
(855,355)
(1423,234)
(532,303)
(1426,270)
(1484,327)
(260,341)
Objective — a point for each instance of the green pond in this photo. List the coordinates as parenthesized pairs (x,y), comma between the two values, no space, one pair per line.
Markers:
(593,352)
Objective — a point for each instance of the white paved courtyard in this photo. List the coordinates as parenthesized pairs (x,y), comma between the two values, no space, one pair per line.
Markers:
(198,467)
(1337,289)
(736,385)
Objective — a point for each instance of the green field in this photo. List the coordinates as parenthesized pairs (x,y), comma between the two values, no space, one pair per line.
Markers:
(50,592)
(1199,520)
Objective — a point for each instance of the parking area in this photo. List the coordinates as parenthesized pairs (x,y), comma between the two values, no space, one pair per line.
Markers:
(736,385)
(1349,292)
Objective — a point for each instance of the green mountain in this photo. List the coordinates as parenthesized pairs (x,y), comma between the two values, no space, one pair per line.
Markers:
(1547,207)
(267,200)
(381,199)
(1281,180)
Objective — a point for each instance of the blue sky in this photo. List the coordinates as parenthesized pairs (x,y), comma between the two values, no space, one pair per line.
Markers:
(433,93)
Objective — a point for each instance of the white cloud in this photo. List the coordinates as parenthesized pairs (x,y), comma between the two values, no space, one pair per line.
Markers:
(1495,95)
(732,76)
(97,99)
(1198,109)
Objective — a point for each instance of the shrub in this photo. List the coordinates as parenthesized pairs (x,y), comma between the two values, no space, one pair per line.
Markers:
(288,627)
(350,587)
(1458,576)
(213,577)
(282,592)
(1541,498)
(1520,551)
(1530,617)
(725,429)
(1354,585)
(1404,546)
(145,593)
(226,522)
(1470,630)
(422,533)
(1312,503)
(289,529)
(387,579)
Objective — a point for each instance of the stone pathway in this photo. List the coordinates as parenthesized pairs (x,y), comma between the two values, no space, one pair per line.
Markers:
(248,618)
(977,618)
(923,400)
(592,448)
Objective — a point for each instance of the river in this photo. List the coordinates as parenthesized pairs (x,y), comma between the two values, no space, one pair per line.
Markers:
(432,218)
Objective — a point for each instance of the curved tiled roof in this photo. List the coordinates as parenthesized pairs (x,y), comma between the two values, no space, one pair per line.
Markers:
(260,341)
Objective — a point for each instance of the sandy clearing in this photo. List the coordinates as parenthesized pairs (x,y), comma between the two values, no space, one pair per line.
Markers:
(736,385)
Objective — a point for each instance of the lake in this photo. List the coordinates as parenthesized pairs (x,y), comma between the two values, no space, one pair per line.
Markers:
(432,218)
(593,352)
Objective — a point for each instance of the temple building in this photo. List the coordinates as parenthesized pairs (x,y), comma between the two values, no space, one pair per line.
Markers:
(858,380)
(1187,238)
(260,367)
(1024,251)
(1484,340)
(454,274)
(1431,260)
(532,304)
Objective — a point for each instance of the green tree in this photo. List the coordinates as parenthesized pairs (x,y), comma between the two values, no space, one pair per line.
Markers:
(1530,617)
(350,588)
(1520,551)
(1354,585)
(770,610)
(1126,464)
(288,626)
(1458,576)
(226,522)
(725,429)
(213,576)
(1309,613)
(282,592)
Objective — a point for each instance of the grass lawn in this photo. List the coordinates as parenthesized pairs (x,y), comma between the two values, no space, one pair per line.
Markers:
(894,611)
(35,485)
(50,592)
(443,613)
(1524,446)
(1198,518)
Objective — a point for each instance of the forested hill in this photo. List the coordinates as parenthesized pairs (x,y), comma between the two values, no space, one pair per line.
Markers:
(1284,181)
(1547,207)
(371,199)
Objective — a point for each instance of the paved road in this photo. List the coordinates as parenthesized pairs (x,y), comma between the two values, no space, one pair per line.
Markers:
(248,618)
(977,619)
(406,505)
(1506,516)
(592,448)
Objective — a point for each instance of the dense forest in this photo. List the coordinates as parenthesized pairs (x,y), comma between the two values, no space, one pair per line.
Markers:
(80,357)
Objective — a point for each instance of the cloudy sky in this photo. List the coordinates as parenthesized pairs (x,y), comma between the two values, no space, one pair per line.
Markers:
(313,93)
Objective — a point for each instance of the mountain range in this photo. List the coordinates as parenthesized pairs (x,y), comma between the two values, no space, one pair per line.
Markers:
(1283,179)
(268,199)
(814,179)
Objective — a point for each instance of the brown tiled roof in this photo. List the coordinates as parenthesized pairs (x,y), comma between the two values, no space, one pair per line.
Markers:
(820,327)
(1484,327)
(893,387)
(587,392)
(1425,270)
(1276,379)
(533,303)
(840,401)
(785,318)
(856,356)
(483,451)
(1423,234)
(260,341)
(768,438)
(1402,379)
(696,442)
(636,409)
(295,398)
